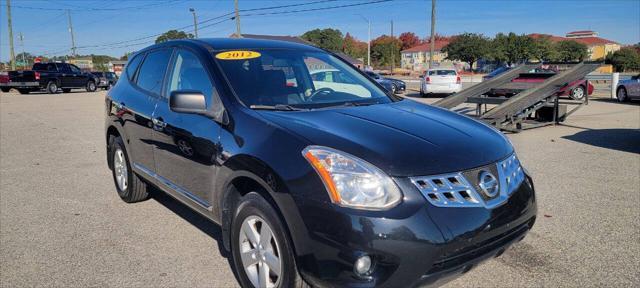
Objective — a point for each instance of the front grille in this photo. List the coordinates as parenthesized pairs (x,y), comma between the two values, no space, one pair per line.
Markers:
(462,189)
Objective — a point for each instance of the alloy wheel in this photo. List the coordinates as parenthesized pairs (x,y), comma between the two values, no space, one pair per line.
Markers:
(622,95)
(259,252)
(120,169)
(577,93)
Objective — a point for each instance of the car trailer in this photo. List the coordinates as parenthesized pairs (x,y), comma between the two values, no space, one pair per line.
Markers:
(531,108)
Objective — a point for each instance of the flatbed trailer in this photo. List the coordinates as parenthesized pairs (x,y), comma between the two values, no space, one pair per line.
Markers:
(535,106)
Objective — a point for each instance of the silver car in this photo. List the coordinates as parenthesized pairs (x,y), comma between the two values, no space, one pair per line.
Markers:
(628,89)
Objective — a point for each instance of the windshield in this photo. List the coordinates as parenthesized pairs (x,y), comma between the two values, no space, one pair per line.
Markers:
(301,79)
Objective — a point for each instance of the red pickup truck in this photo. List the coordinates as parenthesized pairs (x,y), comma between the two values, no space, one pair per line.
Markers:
(575,90)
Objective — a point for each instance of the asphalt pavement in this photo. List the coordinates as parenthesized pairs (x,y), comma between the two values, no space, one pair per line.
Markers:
(62,223)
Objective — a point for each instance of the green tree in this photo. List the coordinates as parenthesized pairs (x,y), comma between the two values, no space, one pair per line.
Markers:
(383,48)
(468,47)
(512,48)
(569,50)
(173,35)
(330,39)
(544,50)
(625,60)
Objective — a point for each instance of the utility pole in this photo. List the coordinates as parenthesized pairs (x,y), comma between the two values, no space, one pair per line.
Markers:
(393,49)
(432,41)
(238,34)
(368,41)
(73,40)
(12,53)
(24,63)
(195,20)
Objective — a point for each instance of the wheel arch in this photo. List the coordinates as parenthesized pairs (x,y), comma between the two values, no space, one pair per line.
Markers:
(246,174)
(111,133)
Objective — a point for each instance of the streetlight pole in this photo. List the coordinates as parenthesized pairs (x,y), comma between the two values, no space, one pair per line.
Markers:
(368,40)
(24,63)
(195,20)
(12,53)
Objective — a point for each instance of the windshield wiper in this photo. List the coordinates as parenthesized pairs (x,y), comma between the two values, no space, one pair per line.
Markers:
(277,107)
(358,103)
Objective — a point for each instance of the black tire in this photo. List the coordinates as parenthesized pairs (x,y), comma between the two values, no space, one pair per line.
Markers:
(252,204)
(66,90)
(137,189)
(52,87)
(622,95)
(24,91)
(578,93)
(91,86)
(5,89)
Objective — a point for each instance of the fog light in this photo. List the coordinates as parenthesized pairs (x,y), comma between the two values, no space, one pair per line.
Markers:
(362,267)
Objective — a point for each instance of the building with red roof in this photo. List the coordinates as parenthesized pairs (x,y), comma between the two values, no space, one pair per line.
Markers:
(417,58)
(598,47)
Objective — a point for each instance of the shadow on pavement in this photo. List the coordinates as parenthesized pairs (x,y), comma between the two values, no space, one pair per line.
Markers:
(626,140)
(210,228)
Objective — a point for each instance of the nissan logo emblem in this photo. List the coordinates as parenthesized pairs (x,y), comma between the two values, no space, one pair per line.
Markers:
(488,183)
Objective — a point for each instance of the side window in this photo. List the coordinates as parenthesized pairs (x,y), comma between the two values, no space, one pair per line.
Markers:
(133,65)
(64,68)
(188,74)
(152,70)
(75,69)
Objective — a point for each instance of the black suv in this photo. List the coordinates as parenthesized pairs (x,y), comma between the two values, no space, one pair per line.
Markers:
(313,182)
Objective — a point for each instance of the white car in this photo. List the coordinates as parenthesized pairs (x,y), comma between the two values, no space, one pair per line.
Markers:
(440,81)
(629,89)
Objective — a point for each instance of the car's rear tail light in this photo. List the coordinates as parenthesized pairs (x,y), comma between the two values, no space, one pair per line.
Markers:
(458,80)
(37,75)
(428,80)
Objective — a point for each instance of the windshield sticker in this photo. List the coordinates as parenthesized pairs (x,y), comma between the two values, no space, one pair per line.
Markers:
(237,55)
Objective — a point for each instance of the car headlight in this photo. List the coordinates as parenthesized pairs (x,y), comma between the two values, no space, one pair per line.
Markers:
(352,182)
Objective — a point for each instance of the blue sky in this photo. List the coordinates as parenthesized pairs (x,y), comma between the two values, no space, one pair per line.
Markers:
(44,22)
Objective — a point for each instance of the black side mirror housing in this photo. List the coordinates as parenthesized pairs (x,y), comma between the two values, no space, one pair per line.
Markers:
(188,101)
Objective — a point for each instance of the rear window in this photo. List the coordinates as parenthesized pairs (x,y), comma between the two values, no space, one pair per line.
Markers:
(442,73)
(44,66)
(152,70)
(133,65)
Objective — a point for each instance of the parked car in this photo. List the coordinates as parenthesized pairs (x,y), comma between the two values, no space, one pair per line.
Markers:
(106,79)
(628,89)
(575,90)
(397,86)
(49,77)
(440,81)
(496,72)
(321,186)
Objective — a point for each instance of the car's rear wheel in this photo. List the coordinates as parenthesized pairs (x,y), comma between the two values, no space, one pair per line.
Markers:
(621,94)
(24,91)
(131,188)
(52,87)
(91,86)
(578,93)
(5,89)
(262,251)
(66,90)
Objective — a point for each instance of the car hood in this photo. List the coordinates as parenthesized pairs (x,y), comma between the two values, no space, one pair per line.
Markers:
(404,138)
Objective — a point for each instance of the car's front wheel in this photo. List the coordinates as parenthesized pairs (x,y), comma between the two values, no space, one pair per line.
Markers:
(262,251)
(621,94)
(131,188)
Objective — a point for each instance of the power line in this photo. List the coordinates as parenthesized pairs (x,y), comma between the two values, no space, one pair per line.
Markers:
(316,9)
(101,9)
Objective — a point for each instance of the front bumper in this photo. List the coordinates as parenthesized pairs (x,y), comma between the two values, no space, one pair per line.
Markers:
(413,244)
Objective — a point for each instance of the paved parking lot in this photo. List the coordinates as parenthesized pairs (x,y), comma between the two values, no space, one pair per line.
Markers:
(63,225)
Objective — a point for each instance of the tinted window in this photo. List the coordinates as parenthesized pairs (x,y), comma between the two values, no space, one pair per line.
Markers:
(299,78)
(152,70)
(189,74)
(132,65)
(64,68)
(442,72)
(44,66)
(75,69)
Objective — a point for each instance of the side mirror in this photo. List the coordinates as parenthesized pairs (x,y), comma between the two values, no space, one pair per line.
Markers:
(188,101)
